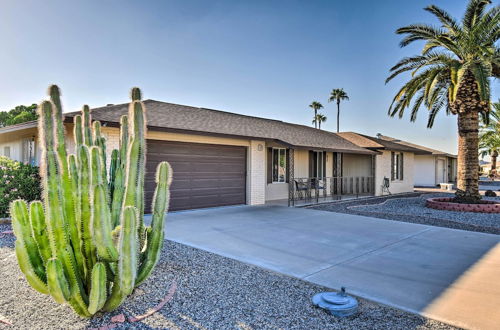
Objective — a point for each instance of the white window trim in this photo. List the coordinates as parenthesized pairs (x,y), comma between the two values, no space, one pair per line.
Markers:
(279,150)
(319,163)
(397,170)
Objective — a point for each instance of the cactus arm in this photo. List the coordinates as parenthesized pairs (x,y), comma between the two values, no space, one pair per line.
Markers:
(55,97)
(98,169)
(84,192)
(118,192)
(75,222)
(131,173)
(56,281)
(78,131)
(127,263)
(137,130)
(123,139)
(98,294)
(28,256)
(86,121)
(113,166)
(64,252)
(156,234)
(39,230)
(100,141)
(27,269)
(101,225)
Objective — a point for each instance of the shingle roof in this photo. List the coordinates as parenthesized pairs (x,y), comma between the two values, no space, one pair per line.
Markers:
(433,151)
(175,117)
(374,143)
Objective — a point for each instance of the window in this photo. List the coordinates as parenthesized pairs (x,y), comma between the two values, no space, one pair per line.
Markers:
(279,164)
(6,151)
(318,170)
(28,151)
(396,166)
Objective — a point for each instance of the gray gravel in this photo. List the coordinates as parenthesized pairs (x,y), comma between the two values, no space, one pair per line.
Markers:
(411,208)
(213,293)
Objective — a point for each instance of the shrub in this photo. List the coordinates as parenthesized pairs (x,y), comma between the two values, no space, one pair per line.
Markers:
(490,193)
(17,181)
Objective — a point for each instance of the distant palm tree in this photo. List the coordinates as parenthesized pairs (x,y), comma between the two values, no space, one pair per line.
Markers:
(338,95)
(319,119)
(453,72)
(315,105)
(489,137)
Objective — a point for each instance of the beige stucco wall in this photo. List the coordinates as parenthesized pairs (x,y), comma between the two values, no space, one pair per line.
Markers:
(383,169)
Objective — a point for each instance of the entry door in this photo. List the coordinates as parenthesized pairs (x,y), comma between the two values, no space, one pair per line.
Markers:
(441,171)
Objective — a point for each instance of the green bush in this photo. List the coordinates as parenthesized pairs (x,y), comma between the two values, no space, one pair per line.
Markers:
(17,181)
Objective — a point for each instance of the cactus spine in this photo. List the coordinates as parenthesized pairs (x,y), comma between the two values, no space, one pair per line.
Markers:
(86,245)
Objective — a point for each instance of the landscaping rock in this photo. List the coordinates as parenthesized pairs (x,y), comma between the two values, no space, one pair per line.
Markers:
(411,208)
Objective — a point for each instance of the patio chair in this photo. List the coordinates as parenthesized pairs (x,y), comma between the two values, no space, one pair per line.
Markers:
(385,186)
(302,190)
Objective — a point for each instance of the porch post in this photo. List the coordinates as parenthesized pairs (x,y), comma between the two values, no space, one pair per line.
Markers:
(373,176)
(291,177)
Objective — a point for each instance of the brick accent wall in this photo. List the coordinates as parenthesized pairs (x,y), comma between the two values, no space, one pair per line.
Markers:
(256,173)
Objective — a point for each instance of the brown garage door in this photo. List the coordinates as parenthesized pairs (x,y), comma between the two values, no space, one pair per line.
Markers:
(205,175)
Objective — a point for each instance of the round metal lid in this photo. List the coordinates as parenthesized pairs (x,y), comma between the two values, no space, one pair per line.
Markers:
(335,298)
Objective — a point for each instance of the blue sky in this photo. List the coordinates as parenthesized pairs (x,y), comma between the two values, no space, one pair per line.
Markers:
(262,58)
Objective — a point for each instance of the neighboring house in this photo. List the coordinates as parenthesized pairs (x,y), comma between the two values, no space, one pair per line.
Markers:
(18,142)
(486,167)
(394,164)
(221,158)
(430,169)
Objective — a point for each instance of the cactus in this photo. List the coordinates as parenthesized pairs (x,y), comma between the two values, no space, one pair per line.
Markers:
(86,244)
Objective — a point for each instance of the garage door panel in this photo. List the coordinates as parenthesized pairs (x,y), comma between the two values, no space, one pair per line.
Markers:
(203,175)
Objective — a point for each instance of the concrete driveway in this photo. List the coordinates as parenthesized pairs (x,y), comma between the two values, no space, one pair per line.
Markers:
(446,274)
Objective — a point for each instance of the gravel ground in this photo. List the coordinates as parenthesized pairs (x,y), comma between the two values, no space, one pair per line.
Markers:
(213,293)
(411,208)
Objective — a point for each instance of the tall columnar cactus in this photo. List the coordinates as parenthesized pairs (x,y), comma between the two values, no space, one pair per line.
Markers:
(86,245)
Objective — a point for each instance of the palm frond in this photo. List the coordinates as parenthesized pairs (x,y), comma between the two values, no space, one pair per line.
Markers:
(448,22)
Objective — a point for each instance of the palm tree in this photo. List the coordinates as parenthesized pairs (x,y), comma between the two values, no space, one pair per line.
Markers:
(315,105)
(453,73)
(489,137)
(319,119)
(338,95)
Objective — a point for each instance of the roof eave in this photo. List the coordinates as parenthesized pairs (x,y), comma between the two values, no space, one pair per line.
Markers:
(18,127)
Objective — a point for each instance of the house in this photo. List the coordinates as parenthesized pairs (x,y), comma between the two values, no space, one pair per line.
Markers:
(222,158)
(430,169)
(394,163)
(486,167)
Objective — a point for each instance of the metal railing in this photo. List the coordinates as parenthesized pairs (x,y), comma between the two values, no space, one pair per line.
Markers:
(314,190)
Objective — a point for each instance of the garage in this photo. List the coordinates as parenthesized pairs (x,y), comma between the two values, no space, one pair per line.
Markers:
(205,175)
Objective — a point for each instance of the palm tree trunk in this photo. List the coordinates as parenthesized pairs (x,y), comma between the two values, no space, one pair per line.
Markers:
(338,116)
(467,164)
(315,118)
(494,156)
(467,105)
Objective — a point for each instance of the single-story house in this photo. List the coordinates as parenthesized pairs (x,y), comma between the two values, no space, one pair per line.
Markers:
(486,167)
(430,169)
(394,163)
(222,158)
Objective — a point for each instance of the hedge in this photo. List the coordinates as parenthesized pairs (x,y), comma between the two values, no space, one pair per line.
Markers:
(17,180)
